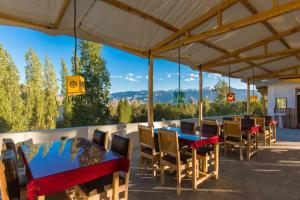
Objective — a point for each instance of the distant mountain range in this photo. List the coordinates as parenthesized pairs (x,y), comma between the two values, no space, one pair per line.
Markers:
(166,96)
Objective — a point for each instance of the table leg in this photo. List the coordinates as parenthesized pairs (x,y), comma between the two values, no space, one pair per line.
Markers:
(116,185)
(248,144)
(216,166)
(256,141)
(194,167)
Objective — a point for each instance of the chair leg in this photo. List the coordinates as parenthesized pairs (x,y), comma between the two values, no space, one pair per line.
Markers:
(241,151)
(265,139)
(178,181)
(141,165)
(162,175)
(204,164)
(154,168)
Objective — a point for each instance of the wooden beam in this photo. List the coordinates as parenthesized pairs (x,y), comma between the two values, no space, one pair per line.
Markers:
(294,51)
(259,17)
(252,9)
(275,74)
(62,13)
(254,45)
(150,91)
(196,22)
(219,19)
(24,21)
(134,11)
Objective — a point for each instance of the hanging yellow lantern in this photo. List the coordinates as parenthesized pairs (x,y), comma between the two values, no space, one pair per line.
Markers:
(253,98)
(75,85)
(230,97)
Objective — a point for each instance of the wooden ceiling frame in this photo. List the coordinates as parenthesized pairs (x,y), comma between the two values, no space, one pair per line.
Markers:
(253,45)
(61,14)
(247,21)
(275,74)
(253,10)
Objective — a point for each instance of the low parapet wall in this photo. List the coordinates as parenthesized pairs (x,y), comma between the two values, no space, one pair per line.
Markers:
(129,130)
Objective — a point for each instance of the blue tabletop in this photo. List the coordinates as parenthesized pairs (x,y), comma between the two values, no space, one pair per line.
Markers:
(191,136)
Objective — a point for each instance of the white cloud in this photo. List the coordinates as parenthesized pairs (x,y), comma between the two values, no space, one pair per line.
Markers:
(130,74)
(139,76)
(113,76)
(130,79)
(193,75)
(214,76)
(160,79)
(189,79)
(169,75)
(146,77)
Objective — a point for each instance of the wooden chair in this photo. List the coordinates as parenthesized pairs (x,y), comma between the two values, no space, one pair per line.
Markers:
(228,119)
(148,148)
(102,188)
(233,136)
(238,118)
(264,133)
(9,178)
(271,128)
(171,157)
(188,126)
(101,138)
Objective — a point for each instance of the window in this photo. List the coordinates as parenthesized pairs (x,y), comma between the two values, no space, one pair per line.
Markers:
(281,102)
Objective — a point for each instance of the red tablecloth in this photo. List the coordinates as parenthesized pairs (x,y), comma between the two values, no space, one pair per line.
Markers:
(62,181)
(201,142)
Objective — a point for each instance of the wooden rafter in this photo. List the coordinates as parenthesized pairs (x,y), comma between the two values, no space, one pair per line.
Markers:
(253,10)
(259,17)
(197,22)
(253,45)
(23,21)
(134,11)
(275,74)
(285,52)
(61,14)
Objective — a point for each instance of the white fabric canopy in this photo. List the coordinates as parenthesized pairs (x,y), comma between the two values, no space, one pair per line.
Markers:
(137,26)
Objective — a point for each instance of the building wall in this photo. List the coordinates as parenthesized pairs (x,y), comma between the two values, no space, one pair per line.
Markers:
(283,90)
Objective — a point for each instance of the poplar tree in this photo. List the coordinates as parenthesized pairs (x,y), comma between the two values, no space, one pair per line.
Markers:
(67,101)
(51,92)
(11,109)
(92,107)
(34,105)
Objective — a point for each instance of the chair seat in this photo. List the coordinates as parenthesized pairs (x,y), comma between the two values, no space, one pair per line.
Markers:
(202,151)
(183,157)
(98,185)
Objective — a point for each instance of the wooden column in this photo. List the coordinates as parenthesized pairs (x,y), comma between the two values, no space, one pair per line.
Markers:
(150,90)
(248,97)
(200,96)
(263,104)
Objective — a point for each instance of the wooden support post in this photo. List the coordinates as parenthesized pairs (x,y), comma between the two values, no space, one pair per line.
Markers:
(263,104)
(200,95)
(248,97)
(275,3)
(219,19)
(150,91)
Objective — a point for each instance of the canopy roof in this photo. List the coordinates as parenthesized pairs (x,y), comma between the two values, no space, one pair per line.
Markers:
(249,33)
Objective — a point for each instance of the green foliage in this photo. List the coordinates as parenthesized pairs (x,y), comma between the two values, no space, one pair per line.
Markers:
(170,111)
(50,97)
(11,104)
(34,100)
(139,112)
(67,101)
(124,112)
(92,107)
(256,108)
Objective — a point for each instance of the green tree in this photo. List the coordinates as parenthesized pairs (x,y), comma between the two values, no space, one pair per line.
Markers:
(35,114)
(11,109)
(124,112)
(92,107)
(67,100)
(220,106)
(51,92)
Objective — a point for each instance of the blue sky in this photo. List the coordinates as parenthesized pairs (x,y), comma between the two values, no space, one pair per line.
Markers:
(128,72)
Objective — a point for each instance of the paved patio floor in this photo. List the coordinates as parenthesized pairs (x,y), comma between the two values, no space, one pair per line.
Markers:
(272,174)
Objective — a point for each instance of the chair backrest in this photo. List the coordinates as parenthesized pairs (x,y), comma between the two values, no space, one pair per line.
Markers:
(101,138)
(188,126)
(210,127)
(168,142)
(146,136)
(247,123)
(8,144)
(228,118)
(247,116)
(232,129)
(268,119)
(9,181)
(260,121)
(122,146)
(238,118)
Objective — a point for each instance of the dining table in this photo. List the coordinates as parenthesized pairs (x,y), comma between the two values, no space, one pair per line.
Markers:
(195,140)
(56,166)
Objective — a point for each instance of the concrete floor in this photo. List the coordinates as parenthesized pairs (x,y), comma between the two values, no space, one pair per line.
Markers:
(272,174)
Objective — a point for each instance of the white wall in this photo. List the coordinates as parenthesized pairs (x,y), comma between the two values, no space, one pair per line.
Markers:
(284,90)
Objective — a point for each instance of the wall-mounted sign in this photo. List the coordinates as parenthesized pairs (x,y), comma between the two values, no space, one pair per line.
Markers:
(230,97)
(253,98)
(75,85)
